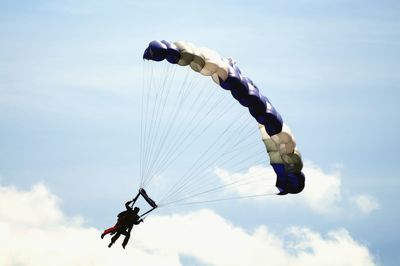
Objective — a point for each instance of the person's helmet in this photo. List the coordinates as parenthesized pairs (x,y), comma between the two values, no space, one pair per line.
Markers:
(136,209)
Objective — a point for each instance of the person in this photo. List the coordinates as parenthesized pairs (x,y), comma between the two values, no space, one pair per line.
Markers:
(124,225)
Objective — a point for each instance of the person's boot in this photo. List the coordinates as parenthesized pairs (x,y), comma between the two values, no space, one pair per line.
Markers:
(102,235)
(109,245)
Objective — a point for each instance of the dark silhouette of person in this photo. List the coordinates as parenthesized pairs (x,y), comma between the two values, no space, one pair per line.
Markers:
(124,225)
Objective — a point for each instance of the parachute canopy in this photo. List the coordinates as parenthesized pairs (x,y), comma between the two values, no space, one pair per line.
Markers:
(277,137)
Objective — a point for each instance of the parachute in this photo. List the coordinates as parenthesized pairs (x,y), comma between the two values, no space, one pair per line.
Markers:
(279,142)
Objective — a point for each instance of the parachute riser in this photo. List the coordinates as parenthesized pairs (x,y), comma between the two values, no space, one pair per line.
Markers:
(147,212)
(151,202)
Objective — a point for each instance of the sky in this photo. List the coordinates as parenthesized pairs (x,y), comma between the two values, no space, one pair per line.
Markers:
(71,82)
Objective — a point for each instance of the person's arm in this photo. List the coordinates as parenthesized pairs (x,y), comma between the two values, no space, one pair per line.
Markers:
(127,205)
(139,221)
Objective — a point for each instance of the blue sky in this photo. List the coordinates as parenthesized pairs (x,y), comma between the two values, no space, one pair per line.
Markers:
(70,84)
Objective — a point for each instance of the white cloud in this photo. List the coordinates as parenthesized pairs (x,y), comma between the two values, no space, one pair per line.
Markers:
(37,204)
(322,192)
(250,183)
(365,203)
(52,239)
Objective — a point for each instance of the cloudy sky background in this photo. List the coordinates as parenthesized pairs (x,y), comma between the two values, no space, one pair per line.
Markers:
(70,82)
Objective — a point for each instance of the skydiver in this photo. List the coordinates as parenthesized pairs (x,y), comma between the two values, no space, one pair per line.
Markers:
(124,225)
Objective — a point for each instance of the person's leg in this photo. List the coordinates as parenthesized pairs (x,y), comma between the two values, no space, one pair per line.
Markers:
(114,238)
(126,239)
(110,230)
